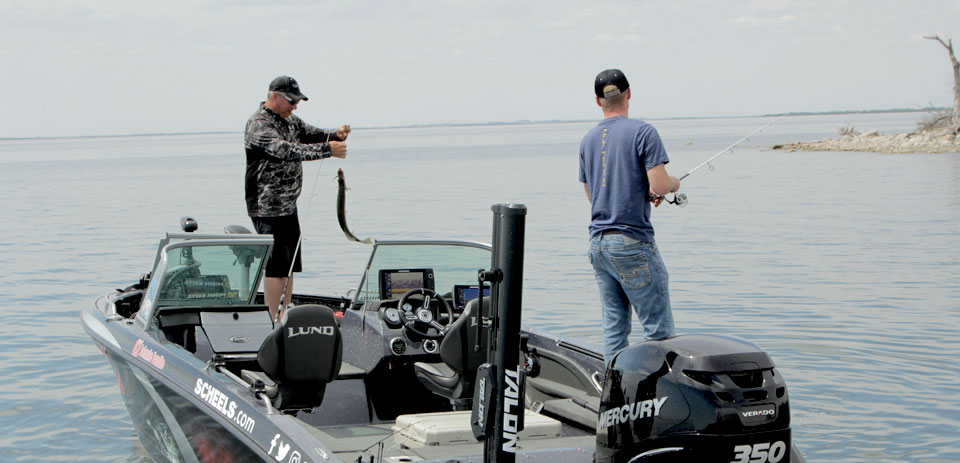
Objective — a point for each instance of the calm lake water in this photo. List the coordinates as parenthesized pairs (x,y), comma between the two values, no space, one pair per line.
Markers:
(844,266)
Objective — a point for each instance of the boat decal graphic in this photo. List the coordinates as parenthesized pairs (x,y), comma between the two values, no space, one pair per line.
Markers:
(142,352)
(632,412)
(282,448)
(511,402)
(224,405)
(762,412)
(321,330)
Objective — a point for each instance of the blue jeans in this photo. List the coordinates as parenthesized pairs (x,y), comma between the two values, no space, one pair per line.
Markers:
(630,273)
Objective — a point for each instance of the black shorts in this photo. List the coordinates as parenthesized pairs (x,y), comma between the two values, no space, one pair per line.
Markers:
(286,234)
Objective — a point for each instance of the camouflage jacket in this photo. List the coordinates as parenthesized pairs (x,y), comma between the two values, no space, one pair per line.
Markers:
(275,148)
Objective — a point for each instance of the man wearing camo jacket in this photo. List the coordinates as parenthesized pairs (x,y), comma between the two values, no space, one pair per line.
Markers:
(276,143)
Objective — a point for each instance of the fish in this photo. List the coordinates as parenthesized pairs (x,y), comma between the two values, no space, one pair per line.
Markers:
(342,209)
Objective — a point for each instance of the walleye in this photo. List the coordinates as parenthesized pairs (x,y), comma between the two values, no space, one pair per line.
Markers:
(342,209)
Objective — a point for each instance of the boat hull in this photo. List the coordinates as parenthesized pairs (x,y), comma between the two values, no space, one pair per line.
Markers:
(185,412)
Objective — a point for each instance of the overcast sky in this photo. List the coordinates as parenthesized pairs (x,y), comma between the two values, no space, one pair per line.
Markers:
(104,67)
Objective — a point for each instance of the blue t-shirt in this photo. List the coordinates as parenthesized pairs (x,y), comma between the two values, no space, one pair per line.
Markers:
(614,159)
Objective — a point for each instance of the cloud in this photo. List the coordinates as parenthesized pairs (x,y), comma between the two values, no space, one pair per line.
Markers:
(759,21)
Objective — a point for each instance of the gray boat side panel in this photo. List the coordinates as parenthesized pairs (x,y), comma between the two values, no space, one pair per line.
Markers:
(571,410)
(184,449)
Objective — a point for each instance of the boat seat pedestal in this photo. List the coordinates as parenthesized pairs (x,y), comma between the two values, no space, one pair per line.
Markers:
(454,377)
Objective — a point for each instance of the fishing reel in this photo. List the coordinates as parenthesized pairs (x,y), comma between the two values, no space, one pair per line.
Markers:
(679,199)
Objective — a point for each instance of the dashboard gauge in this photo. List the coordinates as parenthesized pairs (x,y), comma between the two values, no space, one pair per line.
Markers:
(398,346)
(392,316)
(407,307)
(430,346)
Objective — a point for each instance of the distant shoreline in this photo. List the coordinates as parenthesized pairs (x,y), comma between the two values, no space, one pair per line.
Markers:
(476,124)
(931,141)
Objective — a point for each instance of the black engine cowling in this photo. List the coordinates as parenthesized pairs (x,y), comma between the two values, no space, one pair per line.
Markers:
(693,398)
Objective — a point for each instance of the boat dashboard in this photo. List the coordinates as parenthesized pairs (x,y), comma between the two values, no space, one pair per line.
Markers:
(411,324)
(410,292)
(444,308)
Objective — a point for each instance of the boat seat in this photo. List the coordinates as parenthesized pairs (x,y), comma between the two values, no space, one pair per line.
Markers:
(301,356)
(454,377)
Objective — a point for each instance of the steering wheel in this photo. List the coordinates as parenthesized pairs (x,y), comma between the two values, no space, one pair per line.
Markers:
(423,314)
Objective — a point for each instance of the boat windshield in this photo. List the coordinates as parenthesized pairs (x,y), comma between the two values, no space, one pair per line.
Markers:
(198,273)
(445,263)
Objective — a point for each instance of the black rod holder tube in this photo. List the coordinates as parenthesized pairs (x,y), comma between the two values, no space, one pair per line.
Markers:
(508,233)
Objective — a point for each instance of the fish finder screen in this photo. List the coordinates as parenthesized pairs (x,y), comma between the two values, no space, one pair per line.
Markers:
(463,294)
(394,283)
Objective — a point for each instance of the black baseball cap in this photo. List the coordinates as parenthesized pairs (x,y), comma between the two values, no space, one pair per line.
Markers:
(288,86)
(610,77)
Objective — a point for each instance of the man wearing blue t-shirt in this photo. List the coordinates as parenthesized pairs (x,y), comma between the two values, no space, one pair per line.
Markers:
(622,162)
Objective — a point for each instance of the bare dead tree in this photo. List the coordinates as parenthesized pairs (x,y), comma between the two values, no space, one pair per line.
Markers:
(956,78)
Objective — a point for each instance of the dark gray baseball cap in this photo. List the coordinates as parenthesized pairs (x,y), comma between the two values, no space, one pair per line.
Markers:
(288,86)
(610,77)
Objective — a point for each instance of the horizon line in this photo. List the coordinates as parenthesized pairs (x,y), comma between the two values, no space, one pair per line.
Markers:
(471,124)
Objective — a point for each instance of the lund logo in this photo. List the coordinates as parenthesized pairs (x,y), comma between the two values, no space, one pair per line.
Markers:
(298,330)
(239,339)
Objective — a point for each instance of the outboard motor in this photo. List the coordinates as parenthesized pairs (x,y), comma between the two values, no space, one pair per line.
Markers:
(695,398)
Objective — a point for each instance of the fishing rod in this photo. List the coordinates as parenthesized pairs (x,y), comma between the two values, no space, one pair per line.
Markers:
(296,250)
(680,199)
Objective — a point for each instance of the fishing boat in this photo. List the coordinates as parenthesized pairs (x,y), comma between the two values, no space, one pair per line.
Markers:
(426,359)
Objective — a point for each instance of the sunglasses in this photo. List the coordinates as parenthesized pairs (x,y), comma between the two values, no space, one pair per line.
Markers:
(289,98)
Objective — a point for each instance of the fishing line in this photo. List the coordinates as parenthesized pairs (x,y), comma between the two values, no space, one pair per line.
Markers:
(296,250)
(680,199)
